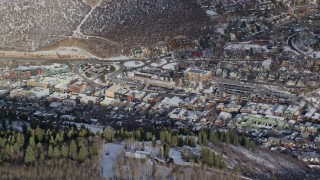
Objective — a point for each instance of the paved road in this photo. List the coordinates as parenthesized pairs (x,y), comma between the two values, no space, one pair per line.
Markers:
(91,60)
(76,69)
(238,82)
(290,43)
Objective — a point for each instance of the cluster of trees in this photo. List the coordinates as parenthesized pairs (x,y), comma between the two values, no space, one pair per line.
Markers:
(212,159)
(174,139)
(39,144)
(228,137)
(7,115)
(109,135)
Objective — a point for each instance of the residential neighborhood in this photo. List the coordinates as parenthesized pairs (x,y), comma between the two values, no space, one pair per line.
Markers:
(255,76)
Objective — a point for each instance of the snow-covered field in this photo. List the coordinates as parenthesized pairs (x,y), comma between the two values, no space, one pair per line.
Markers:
(71,52)
(66,51)
(170,66)
(177,158)
(133,64)
(110,152)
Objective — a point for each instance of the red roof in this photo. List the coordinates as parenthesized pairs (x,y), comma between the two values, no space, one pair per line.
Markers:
(197,54)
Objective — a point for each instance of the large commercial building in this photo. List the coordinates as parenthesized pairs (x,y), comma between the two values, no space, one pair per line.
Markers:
(197,75)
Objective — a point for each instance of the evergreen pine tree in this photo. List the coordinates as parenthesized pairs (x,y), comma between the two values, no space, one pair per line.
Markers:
(57,138)
(228,138)
(56,152)
(235,140)
(50,152)
(32,143)
(205,138)
(70,133)
(213,137)
(108,135)
(52,141)
(162,136)
(73,150)
(2,142)
(98,134)
(168,137)
(39,134)
(149,136)
(180,141)
(200,138)
(41,158)
(29,157)
(82,154)
(20,140)
(166,149)
(94,150)
(8,151)
(39,147)
(137,135)
(174,140)
(64,151)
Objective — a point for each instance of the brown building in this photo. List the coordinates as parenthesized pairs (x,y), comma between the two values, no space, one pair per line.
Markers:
(16,75)
(77,86)
(197,75)
(180,43)
(111,92)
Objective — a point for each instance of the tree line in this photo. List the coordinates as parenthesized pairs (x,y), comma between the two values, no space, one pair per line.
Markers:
(36,145)
(204,137)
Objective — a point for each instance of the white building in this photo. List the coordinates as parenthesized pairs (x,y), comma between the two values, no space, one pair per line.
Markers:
(171,102)
(40,92)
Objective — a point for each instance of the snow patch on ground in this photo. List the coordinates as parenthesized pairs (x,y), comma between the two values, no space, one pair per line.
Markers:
(221,28)
(245,46)
(170,66)
(110,153)
(211,13)
(161,63)
(118,58)
(133,64)
(177,157)
(92,128)
(288,49)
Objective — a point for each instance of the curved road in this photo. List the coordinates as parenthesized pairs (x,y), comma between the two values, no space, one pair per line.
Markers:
(290,43)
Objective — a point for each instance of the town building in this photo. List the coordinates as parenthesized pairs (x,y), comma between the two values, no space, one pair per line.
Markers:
(111,91)
(76,86)
(198,75)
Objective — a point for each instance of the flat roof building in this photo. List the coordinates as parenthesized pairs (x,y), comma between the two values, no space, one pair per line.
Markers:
(193,74)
